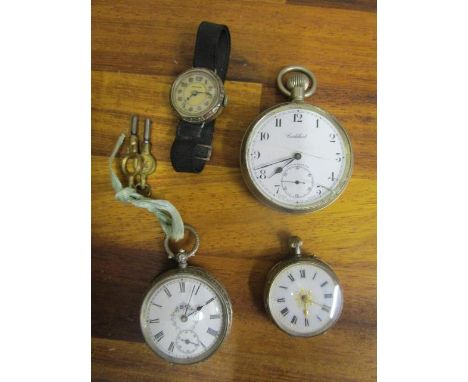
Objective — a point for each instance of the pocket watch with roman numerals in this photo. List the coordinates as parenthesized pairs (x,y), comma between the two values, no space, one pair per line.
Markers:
(186,314)
(296,157)
(303,295)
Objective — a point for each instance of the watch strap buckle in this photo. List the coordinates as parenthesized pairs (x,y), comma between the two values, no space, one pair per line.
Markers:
(202,152)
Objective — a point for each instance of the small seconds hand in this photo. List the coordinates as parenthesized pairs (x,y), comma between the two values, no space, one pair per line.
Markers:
(293,181)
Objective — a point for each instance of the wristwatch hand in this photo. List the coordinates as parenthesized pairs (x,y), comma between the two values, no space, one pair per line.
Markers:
(194,93)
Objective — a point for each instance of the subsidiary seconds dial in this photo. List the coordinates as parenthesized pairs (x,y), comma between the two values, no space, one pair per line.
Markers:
(297,181)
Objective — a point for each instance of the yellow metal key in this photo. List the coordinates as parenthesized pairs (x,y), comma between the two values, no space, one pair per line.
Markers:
(148,161)
(132,162)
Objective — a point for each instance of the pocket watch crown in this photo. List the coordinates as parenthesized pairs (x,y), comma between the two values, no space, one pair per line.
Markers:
(298,80)
(181,258)
(298,83)
(295,243)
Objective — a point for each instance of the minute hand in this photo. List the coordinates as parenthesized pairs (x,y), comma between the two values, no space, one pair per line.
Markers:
(272,163)
(200,307)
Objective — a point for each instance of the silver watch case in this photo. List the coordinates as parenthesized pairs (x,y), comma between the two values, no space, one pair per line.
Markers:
(278,267)
(211,114)
(318,205)
(201,275)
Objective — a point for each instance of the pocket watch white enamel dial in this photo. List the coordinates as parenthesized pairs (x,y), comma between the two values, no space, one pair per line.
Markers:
(197,95)
(295,156)
(303,295)
(186,314)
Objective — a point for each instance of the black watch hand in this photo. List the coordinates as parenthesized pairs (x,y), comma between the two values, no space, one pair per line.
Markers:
(201,307)
(296,156)
(195,93)
(192,94)
(280,169)
(272,163)
(292,181)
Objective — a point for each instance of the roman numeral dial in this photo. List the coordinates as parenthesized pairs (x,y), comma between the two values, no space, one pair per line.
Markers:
(185,318)
(305,298)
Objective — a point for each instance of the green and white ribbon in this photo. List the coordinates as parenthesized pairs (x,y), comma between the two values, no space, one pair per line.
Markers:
(167,215)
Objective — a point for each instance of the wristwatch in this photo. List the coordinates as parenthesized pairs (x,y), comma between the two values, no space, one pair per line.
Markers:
(198,97)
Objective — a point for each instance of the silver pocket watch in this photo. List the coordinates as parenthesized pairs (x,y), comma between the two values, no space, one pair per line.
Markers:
(296,157)
(303,295)
(186,314)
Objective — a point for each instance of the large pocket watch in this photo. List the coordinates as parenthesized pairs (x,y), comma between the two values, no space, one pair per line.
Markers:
(303,295)
(296,157)
(186,314)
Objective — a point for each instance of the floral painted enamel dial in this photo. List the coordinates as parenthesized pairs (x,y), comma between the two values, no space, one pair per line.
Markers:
(303,295)
(197,95)
(186,314)
(295,156)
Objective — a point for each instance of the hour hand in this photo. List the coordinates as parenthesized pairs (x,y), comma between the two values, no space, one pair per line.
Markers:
(187,341)
(280,168)
(277,171)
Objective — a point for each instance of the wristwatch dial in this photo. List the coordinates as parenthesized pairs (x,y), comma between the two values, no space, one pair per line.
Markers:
(297,158)
(197,95)
(305,298)
(184,318)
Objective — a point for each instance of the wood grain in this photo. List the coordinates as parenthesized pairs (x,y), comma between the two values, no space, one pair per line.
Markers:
(138,49)
(362,5)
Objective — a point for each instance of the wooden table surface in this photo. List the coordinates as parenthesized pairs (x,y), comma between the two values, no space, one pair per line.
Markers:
(138,48)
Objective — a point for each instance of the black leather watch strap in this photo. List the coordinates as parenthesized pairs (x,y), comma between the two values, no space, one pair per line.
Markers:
(192,146)
(213,48)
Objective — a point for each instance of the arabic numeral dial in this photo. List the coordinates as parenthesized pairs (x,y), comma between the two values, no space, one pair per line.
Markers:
(297,159)
(195,92)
